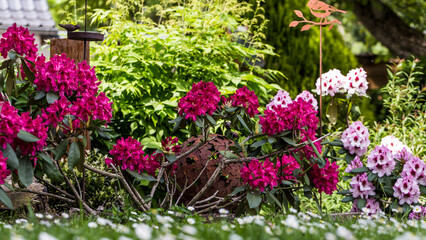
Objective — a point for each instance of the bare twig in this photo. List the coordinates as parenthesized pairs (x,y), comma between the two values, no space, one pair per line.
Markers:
(107,174)
(55,187)
(208,184)
(47,194)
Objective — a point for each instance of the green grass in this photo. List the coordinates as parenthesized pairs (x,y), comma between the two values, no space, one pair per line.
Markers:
(176,225)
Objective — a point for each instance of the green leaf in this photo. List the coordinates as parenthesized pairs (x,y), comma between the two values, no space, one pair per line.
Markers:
(211,120)
(29,74)
(284,182)
(39,95)
(349,157)
(360,170)
(347,199)
(61,149)
(243,123)
(371,176)
(26,171)
(342,151)
(388,191)
(141,176)
(270,195)
(50,169)
(422,189)
(171,157)
(73,155)
(361,203)
(316,151)
(27,137)
(229,154)
(51,97)
(332,112)
(344,192)
(5,199)
(271,140)
(254,199)
(307,191)
(12,159)
(237,190)
(259,143)
(231,109)
(199,122)
(289,141)
(335,142)
(356,112)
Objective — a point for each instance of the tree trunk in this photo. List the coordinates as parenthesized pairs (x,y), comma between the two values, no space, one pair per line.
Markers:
(390,29)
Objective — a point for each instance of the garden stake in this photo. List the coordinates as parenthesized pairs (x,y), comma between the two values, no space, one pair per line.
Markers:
(321,10)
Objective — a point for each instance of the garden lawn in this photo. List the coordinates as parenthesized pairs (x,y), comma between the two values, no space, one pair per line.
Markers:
(172,225)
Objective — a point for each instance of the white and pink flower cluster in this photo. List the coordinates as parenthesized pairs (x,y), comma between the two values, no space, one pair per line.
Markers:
(380,161)
(394,144)
(355,139)
(333,81)
(361,187)
(283,99)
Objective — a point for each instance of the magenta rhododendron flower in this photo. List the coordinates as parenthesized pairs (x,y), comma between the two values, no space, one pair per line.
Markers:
(372,206)
(128,154)
(356,82)
(332,82)
(59,75)
(355,139)
(356,163)
(4,172)
(308,150)
(361,187)
(286,165)
(282,99)
(296,116)
(407,190)
(86,80)
(37,128)
(20,40)
(260,174)
(170,145)
(246,99)
(416,169)
(56,112)
(10,124)
(309,98)
(325,179)
(202,99)
(89,107)
(381,161)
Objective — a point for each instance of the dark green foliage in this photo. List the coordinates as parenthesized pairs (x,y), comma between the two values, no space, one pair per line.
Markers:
(299,51)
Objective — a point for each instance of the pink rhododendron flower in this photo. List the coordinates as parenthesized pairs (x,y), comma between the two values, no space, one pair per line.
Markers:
(93,108)
(407,190)
(356,163)
(361,187)
(332,83)
(416,169)
(355,139)
(202,99)
(128,154)
(394,144)
(381,161)
(309,98)
(418,213)
(37,128)
(372,206)
(282,99)
(4,172)
(356,82)
(10,124)
(20,40)
(56,112)
(246,99)
(404,155)
(59,75)
(325,179)
(260,174)
(286,165)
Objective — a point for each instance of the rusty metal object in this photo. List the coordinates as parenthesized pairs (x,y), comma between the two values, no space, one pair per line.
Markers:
(321,10)
(191,167)
(86,36)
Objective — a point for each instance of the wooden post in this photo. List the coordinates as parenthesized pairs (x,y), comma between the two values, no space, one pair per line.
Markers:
(73,48)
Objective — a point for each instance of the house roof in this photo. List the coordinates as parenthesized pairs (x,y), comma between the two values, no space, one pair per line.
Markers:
(33,14)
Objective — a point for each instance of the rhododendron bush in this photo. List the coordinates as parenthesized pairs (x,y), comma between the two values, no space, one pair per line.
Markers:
(48,109)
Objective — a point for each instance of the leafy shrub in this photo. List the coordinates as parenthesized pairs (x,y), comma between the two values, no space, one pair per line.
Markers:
(147,65)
